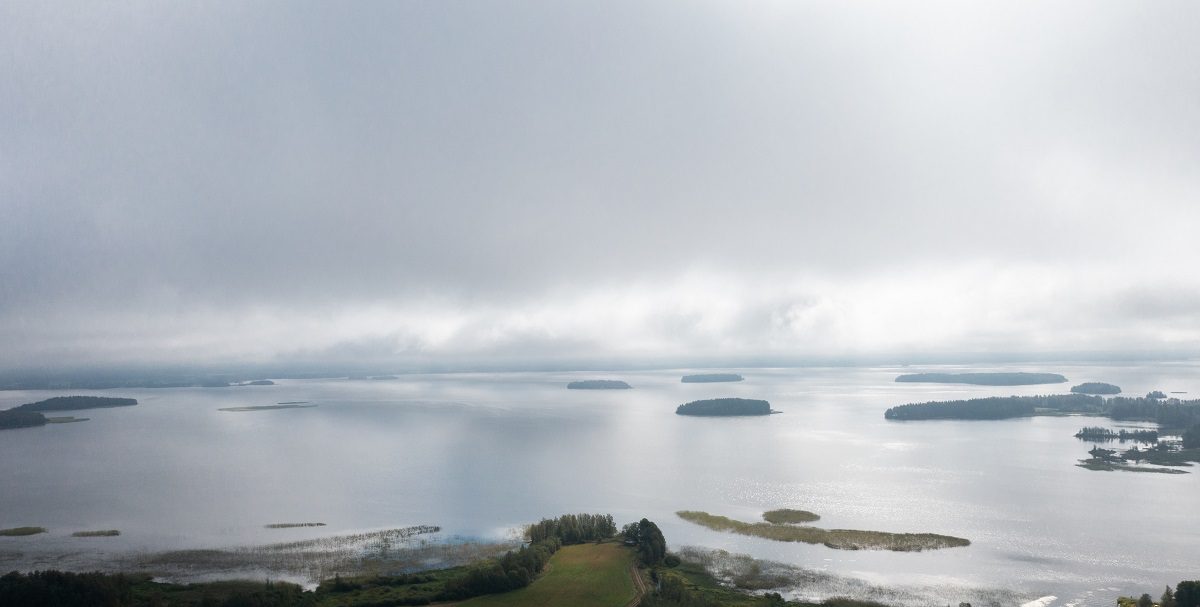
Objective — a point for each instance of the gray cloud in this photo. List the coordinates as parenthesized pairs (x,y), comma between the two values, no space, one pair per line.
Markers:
(257,181)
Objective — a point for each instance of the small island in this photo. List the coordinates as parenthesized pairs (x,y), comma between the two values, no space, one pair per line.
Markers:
(839,539)
(598,384)
(21,531)
(1096,387)
(1097,433)
(257,382)
(984,379)
(265,408)
(723,407)
(709,378)
(100,533)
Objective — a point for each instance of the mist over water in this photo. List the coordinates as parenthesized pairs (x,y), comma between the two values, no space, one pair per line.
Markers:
(481,454)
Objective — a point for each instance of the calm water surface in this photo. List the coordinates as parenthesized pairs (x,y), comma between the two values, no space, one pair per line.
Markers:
(479,454)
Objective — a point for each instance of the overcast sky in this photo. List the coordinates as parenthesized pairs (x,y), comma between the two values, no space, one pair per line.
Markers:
(407,181)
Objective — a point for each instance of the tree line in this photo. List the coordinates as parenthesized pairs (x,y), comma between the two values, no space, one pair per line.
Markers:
(1185,594)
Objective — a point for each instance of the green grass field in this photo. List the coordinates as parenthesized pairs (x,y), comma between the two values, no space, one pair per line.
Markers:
(584,575)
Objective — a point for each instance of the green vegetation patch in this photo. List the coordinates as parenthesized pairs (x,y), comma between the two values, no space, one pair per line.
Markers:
(787,516)
(266,407)
(840,539)
(101,533)
(292,525)
(19,531)
(583,575)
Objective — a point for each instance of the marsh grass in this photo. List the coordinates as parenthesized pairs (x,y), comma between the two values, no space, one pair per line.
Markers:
(101,533)
(787,516)
(384,552)
(841,539)
(1095,463)
(66,420)
(21,531)
(266,407)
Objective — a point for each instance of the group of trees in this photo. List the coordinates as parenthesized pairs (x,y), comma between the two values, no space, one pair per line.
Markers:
(1170,414)
(512,571)
(651,545)
(1186,594)
(1191,437)
(1099,433)
(15,418)
(573,528)
(65,589)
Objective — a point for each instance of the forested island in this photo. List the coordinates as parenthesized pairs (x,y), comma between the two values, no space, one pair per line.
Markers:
(30,415)
(998,407)
(1096,387)
(708,378)
(1171,413)
(598,384)
(719,407)
(1020,378)
(75,403)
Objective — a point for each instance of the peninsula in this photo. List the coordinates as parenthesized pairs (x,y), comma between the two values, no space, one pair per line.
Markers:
(30,415)
(723,407)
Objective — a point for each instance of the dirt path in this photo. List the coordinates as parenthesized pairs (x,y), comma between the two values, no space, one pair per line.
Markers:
(639,585)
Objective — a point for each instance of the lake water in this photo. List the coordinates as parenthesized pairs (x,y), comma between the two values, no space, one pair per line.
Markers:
(480,454)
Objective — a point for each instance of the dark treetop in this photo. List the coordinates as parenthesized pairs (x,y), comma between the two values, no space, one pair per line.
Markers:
(985,379)
(710,378)
(725,407)
(21,419)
